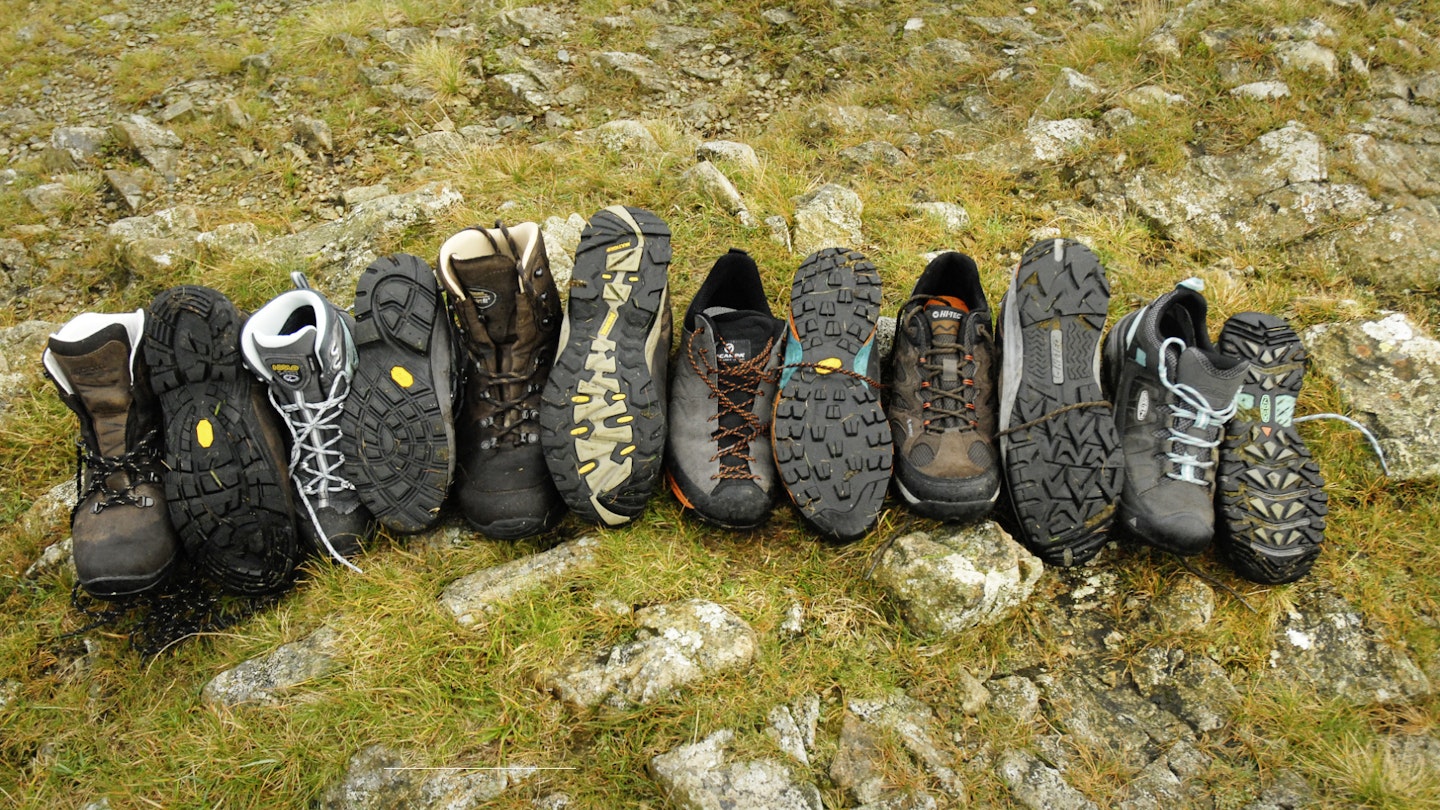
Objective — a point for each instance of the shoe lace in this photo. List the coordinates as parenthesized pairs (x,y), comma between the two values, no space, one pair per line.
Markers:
(138,464)
(315,455)
(1200,416)
(524,425)
(1364,431)
(743,381)
(958,408)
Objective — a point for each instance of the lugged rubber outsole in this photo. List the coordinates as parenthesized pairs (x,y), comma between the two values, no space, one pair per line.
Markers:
(227,487)
(1064,473)
(602,414)
(398,421)
(1270,495)
(831,439)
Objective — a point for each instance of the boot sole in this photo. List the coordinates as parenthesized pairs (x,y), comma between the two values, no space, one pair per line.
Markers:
(602,416)
(1270,495)
(227,488)
(831,439)
(398,418)
(1065,473)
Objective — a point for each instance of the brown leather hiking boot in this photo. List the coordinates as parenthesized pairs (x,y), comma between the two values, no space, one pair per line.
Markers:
(503,298)
(942,394)
(124,542)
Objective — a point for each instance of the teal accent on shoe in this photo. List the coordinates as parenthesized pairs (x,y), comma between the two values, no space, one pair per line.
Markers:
(862,358)
(1140,356)
(793,355)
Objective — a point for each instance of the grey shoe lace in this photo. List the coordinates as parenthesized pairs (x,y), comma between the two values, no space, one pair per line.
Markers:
(315,458)
(1202,417)
(1364,431)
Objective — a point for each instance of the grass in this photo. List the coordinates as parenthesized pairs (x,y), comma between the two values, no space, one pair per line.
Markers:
(135,731)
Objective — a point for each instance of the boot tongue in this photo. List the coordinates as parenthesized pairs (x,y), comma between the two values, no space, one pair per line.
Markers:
(492,283)
(97,370)
(739,334)
(1217,385)
(292,363)
(946,317)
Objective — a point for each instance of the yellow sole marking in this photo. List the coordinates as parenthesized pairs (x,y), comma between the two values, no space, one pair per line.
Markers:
(204,433)
(580,400)
(628,450)
(402,376)
(621,246)
(617,397)
(587,467)
(609,323)
(828,364)
(624,420)
(579,430)
(633,278)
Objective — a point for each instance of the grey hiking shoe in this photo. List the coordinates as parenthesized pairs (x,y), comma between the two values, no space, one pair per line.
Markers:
(718,458)
(1270,498)
(300,345)
(507,312)
(123,539)
(1057,436)
(602,415)
(1173,394)
(942,394)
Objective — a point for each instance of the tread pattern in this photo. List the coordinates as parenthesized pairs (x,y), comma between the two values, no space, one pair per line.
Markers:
(1064,474)
(1270,495)
(602,414)
(398,422)
(227,484)
(832,442)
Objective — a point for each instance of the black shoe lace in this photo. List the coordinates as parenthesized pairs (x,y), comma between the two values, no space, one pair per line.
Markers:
(139,464)
(523,426)
(741,385)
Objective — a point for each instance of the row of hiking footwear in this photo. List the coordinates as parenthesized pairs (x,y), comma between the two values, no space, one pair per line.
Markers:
(246,442)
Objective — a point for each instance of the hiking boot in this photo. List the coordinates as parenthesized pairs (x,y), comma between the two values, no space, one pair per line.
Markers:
(1173,394)
(504,302)
(1271,502)
(602,417)
(300,344)
(719,460)
(942,394)
(398,419)
(1058,442)
(832,442)
(227,484)
(124,542)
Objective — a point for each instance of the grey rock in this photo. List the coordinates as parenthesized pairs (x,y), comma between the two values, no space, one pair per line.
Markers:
(1015,30)
(562,237)
(639,69)
(1324,643)
(1072,90)
(881,153)
(474,598)
(731,152)
(1042,143)
(522,87)
(951,583)
(709,180)
(379,76)
(1399,249)
(314,134)
(668,38)
(17,269)
(829,216)
(701,776)
(1273,192)
(950,53)
(1308,56)
(884,335)
(9,691)
(794,623)
(297,154)
(71,147)
(232,115)
(902,800)
(675,645)
(336,252)
(380,778)
(623,136)
(1183,607)
(180,221)
(352,197)
(1263,91)
(402,40)
(1117,718)
(857,766)
(155,244)
(20,346)
(230,239)
(532,22)
(779,231)
(1037,785)
(102,803)
(972,694)
(1169,781)
(952,217)
(1387,370)
(157,146)
(829,120)
(913,724)
(1288,791)
(779,17)
(129,187)
(553,801)
(793,727)
(1193,687)
(409,95)
(182,110)
(440,144)
(1015,697)
(261,679)
(56,558)
(257,67)
(1147,95)
(1163,41)
(1395,166)
(48,198)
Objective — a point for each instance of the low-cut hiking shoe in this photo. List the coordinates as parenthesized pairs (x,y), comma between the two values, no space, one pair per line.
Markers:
(227,486)
(124,543)
(832,442)
(1270,498)
(602,415)
(942,394)
(718,458)
(1173,394)
(398,420)
(1060,450)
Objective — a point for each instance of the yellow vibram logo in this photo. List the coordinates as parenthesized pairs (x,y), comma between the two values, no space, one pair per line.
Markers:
(828,365)
(402,376)
(204,433)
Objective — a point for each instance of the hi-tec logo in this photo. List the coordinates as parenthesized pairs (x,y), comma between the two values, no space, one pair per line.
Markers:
(289,373)
(945,314)
(483,298)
